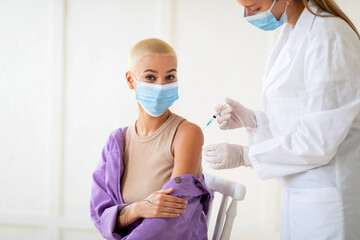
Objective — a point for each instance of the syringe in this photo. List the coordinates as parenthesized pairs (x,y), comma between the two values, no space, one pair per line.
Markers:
(212,119)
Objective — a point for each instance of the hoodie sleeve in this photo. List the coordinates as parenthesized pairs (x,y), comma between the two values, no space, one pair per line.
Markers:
(105,203)
(190,225)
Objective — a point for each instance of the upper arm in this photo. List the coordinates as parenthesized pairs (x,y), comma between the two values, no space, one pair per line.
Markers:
(187,148)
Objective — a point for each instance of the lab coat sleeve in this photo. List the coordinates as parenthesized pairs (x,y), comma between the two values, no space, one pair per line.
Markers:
(103,206)
(332,81)
(262,131)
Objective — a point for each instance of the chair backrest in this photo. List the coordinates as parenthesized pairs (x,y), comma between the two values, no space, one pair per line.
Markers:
(226,213)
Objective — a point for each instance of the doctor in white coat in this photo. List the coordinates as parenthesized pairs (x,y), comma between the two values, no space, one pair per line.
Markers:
(308,134)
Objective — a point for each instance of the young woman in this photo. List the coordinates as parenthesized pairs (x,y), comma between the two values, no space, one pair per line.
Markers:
(149,183)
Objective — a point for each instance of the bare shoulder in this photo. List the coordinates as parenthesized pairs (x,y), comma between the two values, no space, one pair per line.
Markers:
(190,130)
(187,148)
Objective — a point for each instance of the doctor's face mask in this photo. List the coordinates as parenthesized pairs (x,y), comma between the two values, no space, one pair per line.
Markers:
(155,99)
(266,20)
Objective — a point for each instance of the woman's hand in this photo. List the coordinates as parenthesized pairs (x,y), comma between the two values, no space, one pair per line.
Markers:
(160,204)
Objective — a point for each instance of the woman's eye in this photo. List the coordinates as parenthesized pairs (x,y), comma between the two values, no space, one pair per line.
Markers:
(150,77)
(171,77)
(254,10)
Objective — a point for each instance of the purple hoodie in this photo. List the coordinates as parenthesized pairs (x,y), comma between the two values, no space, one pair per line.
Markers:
(106,201)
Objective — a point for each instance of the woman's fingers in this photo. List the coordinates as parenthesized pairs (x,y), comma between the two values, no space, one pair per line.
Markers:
(162,195)
(165,191)
(160,198)
(172,210)
(174,205)
(209,147)
(173,199)
(160,204)
(226,110)
(223,118)
(231,102)
(217,165)
(167,215)
(210,153)
(223,125)
(212,159)
(219,107)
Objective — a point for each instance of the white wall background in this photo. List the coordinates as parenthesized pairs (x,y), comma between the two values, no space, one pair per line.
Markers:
(62,91)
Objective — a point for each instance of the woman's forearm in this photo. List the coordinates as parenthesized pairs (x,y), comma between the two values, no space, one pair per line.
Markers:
(127,215)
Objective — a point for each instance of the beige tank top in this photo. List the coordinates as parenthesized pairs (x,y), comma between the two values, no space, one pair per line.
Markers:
(148,161)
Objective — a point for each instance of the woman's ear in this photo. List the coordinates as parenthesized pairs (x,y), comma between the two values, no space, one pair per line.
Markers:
(130,80)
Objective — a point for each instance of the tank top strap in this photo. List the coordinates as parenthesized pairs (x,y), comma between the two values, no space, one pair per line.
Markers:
(173,126)
(177,120)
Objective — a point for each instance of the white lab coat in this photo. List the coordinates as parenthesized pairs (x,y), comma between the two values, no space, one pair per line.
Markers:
(309,132)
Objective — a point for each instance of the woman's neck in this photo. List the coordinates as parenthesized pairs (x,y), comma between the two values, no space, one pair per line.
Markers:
(146,124)
(294,11)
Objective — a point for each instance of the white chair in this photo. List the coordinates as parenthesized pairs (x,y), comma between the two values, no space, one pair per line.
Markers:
(228,189)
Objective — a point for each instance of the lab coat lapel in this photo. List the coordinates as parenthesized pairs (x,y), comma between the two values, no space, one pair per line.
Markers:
(289,40)
(277,48)
(302,27)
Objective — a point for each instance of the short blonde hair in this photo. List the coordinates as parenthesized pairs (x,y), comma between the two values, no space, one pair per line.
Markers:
(149,46)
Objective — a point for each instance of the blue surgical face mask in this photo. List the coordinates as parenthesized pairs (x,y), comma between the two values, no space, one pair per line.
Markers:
(155,99)
(266,20)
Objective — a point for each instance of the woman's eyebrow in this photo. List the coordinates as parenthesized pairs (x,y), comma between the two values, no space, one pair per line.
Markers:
(150,70)
(171,70)
(250,5)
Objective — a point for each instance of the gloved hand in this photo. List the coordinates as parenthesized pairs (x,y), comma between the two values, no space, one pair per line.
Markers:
(234,115)
(225,155)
